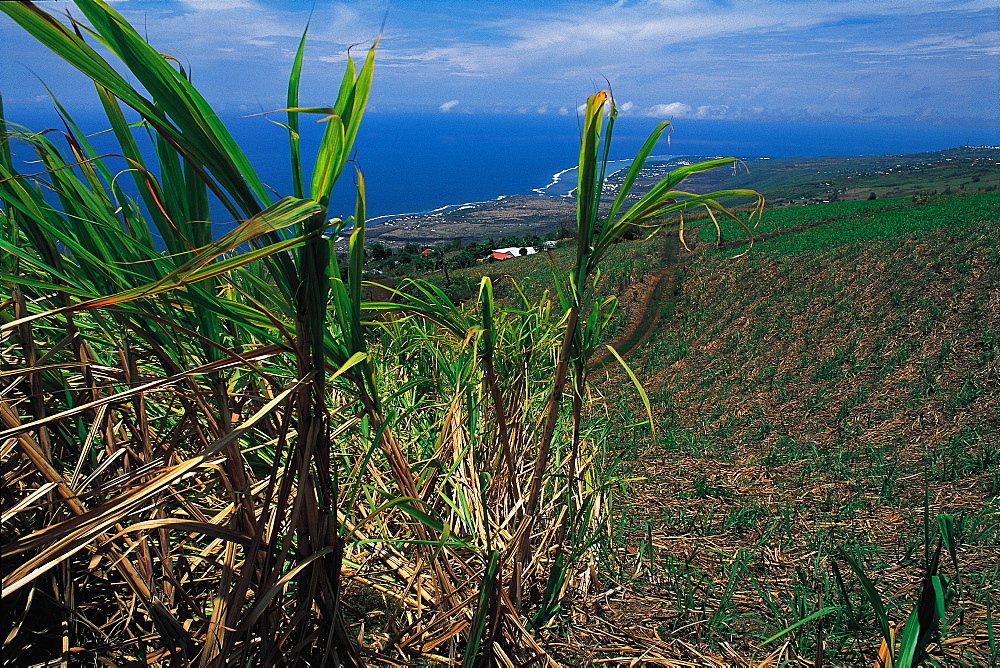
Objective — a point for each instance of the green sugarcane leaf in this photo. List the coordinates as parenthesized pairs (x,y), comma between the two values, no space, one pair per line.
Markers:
(805,620)
(481,614)
(292,102)
(636,167)
(873,597)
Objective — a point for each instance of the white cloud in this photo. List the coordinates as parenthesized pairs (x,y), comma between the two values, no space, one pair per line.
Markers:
(674,109)
(724,58)
(217,5)
(715,111)
(707,52)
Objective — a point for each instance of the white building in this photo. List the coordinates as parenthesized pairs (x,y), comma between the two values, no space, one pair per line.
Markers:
(516,250)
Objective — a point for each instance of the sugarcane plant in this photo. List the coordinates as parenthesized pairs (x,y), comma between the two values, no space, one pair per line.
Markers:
(205,330)
(599,226)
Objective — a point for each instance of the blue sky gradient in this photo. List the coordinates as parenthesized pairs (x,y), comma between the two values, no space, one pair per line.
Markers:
(911,61)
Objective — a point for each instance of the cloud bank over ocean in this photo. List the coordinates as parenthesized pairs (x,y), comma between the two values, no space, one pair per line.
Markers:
(920,61)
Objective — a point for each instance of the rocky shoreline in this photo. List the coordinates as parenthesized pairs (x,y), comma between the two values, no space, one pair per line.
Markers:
(517,215)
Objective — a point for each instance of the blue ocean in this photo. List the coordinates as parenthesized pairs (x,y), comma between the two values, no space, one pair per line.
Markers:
(421,162)
(417,163)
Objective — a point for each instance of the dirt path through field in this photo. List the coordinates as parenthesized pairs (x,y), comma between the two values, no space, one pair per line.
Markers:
(658,291)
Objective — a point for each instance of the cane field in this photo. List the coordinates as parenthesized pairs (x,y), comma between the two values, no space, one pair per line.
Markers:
(821,400)
(696,434)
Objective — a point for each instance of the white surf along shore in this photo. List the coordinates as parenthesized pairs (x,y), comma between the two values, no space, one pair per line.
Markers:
(563,184)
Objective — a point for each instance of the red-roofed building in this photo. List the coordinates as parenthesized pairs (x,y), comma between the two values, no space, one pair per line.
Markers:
(496,257)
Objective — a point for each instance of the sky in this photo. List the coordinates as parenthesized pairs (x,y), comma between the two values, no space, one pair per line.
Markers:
(905,61)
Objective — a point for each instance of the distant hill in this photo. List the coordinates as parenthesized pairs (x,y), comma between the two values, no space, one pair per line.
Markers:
(807,180)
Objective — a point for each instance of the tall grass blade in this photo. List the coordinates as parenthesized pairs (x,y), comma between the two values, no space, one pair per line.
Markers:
(483,606)
(292,102)
(875,600)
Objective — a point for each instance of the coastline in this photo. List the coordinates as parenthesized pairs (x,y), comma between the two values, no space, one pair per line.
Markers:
(545,210)
(517,215)
(785,181)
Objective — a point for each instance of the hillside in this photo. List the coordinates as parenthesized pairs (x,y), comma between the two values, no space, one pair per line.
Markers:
(807,180)
(833,388)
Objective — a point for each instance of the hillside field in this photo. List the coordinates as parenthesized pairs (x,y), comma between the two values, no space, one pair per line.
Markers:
(834,388)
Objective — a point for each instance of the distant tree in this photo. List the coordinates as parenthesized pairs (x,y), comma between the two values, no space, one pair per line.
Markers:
(422,265)
(465,258)
(478,249)
(523,251)
(379,251)
(873,196)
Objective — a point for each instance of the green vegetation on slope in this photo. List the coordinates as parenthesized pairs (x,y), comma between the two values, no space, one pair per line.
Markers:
(827,393)
(808,180)
(849,222)
(829,390)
